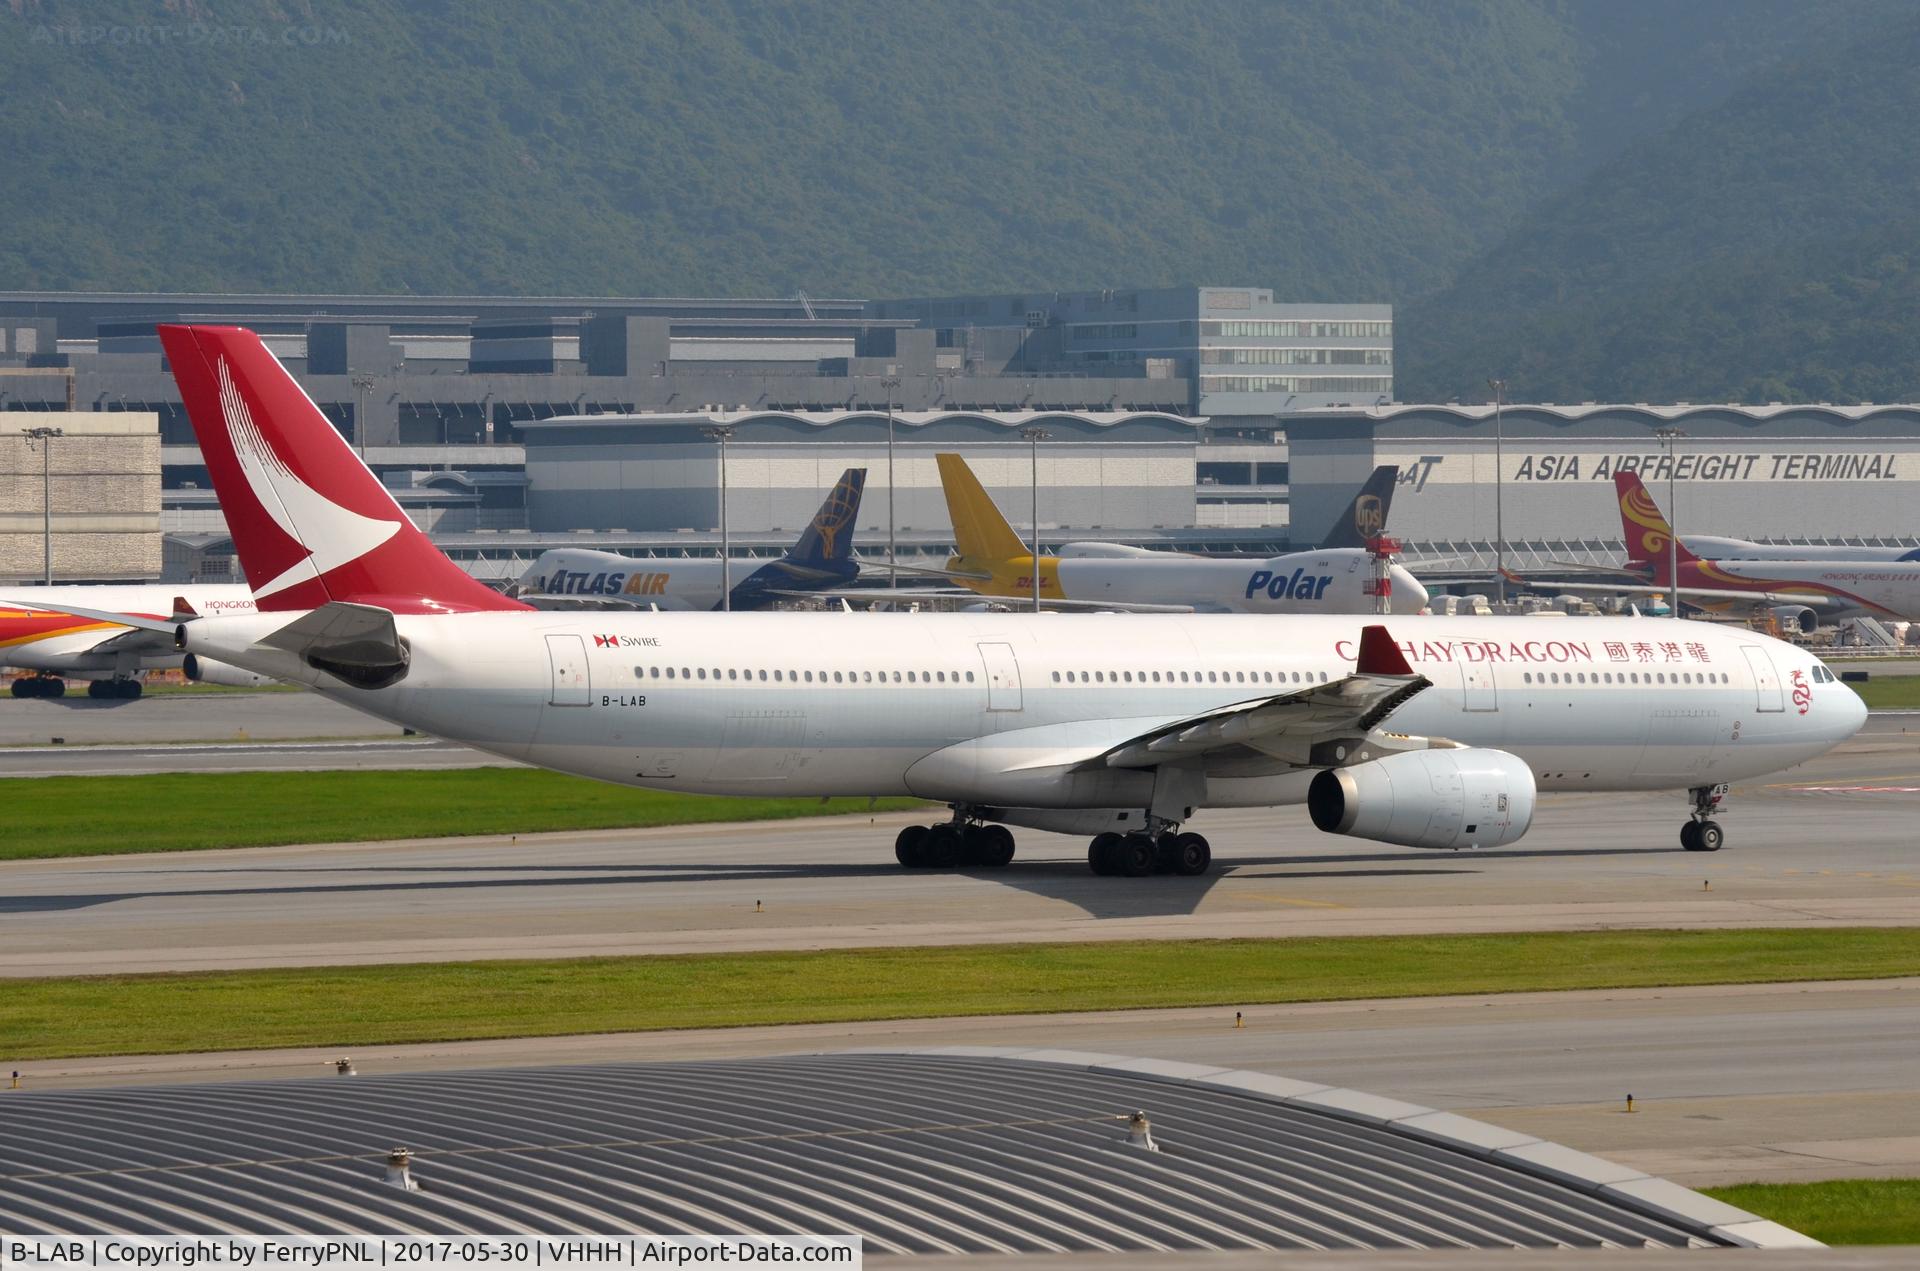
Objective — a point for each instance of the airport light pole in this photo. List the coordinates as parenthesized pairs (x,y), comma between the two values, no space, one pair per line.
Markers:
(1499,388)
(893,571)
(1669,438)
(362,384)
(723,433)
(1034,436)
(45,437)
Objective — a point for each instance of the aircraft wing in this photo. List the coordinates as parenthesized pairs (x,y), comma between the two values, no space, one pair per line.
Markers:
(930,571)
(139,631)
(1301,729)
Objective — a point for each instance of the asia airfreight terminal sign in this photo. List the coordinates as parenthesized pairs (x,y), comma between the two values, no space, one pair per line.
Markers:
(1703,464)
(1712,467)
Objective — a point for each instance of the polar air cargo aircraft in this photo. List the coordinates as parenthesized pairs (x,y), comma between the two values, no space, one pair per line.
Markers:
(822,557)
(1799,592)
(1119,726)
(37,633)
(1333,578)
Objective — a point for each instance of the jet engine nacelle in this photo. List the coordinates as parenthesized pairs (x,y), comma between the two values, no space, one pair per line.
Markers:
(1465,797)
(1796,618)
(206,671)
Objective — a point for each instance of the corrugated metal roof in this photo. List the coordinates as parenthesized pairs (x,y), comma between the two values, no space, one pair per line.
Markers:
(917,1153)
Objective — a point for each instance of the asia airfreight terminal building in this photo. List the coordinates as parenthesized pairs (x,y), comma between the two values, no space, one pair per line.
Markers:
(1213,418)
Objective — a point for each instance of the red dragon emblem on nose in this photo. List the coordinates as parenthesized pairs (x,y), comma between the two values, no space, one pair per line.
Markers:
(1802,692)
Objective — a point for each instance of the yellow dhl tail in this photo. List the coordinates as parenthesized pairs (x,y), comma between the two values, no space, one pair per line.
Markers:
(979,531)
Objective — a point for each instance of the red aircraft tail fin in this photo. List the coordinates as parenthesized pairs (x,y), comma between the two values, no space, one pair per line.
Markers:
(310,522)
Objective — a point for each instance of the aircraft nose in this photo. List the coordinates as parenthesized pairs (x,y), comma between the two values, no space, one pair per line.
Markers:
(1854,712)
(1407,588)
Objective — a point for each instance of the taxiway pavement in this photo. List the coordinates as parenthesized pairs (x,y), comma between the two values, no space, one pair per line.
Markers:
(1829,843)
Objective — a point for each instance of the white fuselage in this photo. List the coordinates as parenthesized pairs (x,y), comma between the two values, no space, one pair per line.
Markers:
(1331,581)
(1883,589)
(1741,549)
(659,582)
(985,708)
(37,636)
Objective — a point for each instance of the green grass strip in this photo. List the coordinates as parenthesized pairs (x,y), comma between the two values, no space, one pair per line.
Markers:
(343,1006)
(89,816)
(1890,692)
(1847,1211)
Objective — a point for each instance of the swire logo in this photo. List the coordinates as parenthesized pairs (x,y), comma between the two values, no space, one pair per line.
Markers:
(606,642)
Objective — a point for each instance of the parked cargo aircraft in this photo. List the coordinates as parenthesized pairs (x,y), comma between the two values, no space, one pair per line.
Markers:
(1800,593)
(1336,577)
(37,633)
(822,557)
(1436,735)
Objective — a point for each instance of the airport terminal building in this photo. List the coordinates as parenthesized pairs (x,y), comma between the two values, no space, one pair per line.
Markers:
(1774,474)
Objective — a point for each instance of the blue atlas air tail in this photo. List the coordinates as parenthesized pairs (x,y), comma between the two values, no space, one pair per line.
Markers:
(821,557)
(1366,517)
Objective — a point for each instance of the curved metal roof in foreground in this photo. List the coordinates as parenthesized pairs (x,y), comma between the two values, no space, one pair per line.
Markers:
(963,1150)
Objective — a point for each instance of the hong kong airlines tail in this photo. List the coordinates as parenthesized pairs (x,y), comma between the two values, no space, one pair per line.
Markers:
(310,522)
(1649,537)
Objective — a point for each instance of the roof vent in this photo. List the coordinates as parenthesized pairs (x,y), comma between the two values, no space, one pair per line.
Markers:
(399,1171)
(1140,1133)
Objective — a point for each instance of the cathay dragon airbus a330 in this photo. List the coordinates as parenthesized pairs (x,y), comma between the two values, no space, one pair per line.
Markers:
(1118,726)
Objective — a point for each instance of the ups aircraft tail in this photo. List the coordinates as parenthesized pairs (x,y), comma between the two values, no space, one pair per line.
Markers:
(979,530)
(1649,537)
(1365,517)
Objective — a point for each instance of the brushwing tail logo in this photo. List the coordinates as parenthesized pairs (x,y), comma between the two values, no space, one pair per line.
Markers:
(1368,516)
(1639,508)
(332,535)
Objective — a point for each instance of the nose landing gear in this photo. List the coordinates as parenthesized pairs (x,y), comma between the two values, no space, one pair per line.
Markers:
(1702,833)
(961,843)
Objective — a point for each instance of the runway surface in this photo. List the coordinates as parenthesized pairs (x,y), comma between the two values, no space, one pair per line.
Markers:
(1732,1083)
(171,717)
(1829,843)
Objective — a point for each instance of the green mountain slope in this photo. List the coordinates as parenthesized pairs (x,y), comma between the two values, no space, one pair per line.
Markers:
(1760,250)
(1333,151)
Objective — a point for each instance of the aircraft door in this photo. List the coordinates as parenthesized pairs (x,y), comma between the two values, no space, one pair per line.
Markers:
(1766,680)
(1477,692)
(1003,677)
(572,682)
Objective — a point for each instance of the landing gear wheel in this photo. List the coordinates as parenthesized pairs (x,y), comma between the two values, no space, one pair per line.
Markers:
(944,845)
(1136,855)
(1710,837)
(910,847)
(24,687)
(99,689)
(51,686)
(129,689)
(1192,854)
(1690,836)
(995,848)
(1101,857)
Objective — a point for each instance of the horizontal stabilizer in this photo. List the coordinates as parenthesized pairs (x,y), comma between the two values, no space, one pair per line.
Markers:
(357,643)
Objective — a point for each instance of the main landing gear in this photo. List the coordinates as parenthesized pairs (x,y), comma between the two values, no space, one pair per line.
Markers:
(39,686)
(1144,852)
(1702,833)
(124,690)
(957,844)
